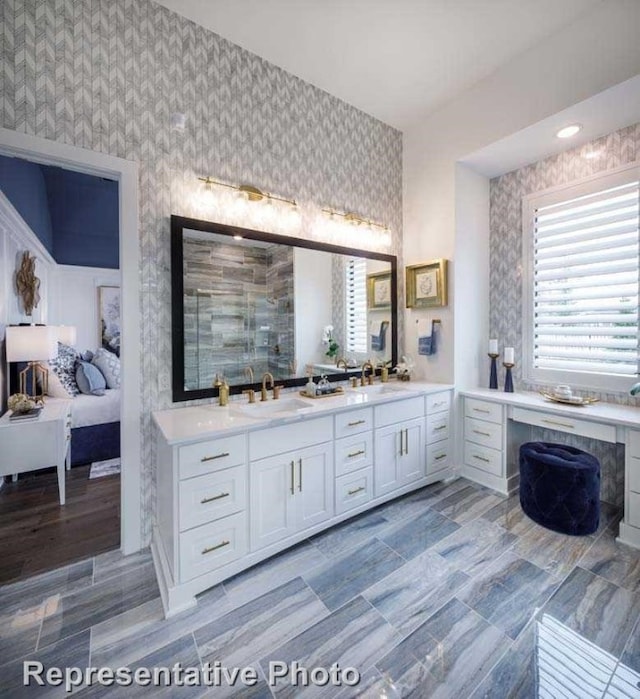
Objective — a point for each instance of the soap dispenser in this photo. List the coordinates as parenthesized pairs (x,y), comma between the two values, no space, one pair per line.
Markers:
(310,388)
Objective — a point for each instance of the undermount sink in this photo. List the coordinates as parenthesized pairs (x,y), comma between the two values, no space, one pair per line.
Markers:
(381,388)
(270,407)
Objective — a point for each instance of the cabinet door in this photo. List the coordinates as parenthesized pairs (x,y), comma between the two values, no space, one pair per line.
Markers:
(314,487)
(411,464)
(272,513)
(386,475)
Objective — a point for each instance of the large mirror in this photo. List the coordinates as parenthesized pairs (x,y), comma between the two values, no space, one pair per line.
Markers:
(246,302)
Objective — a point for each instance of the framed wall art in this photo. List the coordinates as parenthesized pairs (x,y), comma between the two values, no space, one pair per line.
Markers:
(427,284)
(378,290)
(109,318)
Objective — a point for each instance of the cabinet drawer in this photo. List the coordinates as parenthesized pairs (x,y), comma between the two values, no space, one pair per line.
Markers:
(354,422)
(353,453)
(298,435)
(483,410)
(595,430)
(486,459)
(216,454)
(437,427)
(489,434)
(438,456)
(212,496)
(438,402)
(354,489)
(634,443)
(398,411)
(632,517)
(212,545)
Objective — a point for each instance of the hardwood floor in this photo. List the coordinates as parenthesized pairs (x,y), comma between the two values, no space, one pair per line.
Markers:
(37,534)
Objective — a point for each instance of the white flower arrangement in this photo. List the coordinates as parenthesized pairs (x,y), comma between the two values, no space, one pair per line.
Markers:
(20,403)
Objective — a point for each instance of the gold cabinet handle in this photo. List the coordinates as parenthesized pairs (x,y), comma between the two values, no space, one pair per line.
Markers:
(355,453)
(214,548)
(406,441)
(355,422)
(481,458)
(356,490)
(440,456)
(401,443)
(300,471)
(212,458)
(214,497)
(481,410)
(559,424)
(293,476)
(484,434)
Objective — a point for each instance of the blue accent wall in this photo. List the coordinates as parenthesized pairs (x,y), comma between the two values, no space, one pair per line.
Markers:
(24,186)
(84,218)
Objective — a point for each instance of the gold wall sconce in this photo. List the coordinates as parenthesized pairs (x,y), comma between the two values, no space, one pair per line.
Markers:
(252,193)
(350,217)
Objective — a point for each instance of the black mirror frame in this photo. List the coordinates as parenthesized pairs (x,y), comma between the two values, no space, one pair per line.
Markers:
(178,224)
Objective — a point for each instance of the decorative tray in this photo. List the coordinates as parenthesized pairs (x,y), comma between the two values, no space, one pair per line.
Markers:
(573,400)
(334,392)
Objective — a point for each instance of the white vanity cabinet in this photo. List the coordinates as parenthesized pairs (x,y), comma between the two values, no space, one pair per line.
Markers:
(229,500)
(292,490)
(399,444)
(438,423)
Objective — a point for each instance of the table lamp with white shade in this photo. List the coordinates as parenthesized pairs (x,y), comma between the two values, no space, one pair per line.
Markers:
(32,344)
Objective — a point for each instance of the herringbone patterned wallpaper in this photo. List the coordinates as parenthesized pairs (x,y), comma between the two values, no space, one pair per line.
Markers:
(505,321)
(107,74)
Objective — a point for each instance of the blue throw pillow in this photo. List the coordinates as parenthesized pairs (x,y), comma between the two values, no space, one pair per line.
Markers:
(90,379)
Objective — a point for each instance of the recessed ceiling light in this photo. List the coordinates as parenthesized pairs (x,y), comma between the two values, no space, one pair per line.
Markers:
(569,131)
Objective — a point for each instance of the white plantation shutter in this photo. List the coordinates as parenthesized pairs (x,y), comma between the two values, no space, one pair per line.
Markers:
(585,273)
(356,299)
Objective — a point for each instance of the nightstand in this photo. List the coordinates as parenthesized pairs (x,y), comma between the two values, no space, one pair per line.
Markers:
(45,441)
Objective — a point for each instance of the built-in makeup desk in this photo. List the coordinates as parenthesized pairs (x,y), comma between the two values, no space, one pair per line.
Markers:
(495,424)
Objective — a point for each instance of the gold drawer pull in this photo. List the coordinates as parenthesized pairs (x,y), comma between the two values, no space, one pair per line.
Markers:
(214,548)
(482,410)
(204,501)
(356,422)
(441,456)
(484,434)
(441,427)
(481,458)
(357,490)
(217,456)
(559,424)
(356,453)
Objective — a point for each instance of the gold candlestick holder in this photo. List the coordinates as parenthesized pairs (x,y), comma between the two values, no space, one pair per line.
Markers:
(508,379)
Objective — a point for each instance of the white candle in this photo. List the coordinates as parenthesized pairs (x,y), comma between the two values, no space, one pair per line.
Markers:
(508,355)
(493,346)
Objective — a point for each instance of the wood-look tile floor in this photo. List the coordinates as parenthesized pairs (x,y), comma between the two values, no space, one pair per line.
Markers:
(425,596)
(37,534)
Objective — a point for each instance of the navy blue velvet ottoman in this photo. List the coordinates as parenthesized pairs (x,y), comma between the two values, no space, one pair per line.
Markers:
(560,487)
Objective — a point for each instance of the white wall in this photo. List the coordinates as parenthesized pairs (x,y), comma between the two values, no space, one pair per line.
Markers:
(312,284)
(74,300)
(594,53)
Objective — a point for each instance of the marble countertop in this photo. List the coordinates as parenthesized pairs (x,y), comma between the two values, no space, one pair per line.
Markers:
(183,425)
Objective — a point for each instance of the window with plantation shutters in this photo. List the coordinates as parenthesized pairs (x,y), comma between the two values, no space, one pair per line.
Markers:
(356,300)
(583,283)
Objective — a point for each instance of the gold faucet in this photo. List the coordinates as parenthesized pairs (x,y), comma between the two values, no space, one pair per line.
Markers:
(342,361)
(248,373)
(367,365)
(223,393)
(263,392)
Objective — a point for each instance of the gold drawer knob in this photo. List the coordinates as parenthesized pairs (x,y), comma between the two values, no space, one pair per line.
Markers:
(215,548)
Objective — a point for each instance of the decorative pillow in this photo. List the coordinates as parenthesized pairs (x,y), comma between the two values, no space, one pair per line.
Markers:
(87,356)
(55,388)
(109,365)
(64,366)
(90,379)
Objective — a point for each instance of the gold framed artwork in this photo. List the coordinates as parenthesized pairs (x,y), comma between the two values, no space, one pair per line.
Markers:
(379,290)
(427,284)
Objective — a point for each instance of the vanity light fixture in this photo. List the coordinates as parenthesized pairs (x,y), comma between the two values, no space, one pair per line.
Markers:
(569,131)
(355,219)
(252,193)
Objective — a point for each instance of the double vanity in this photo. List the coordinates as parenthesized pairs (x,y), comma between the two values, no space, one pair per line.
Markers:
(239,483)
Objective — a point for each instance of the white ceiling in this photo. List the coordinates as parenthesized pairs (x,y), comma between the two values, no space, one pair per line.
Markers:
(397,60)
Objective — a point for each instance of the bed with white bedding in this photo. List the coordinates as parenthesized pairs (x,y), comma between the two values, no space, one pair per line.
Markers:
(95,427)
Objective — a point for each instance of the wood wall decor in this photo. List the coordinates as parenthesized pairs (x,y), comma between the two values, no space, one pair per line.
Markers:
(27,284)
